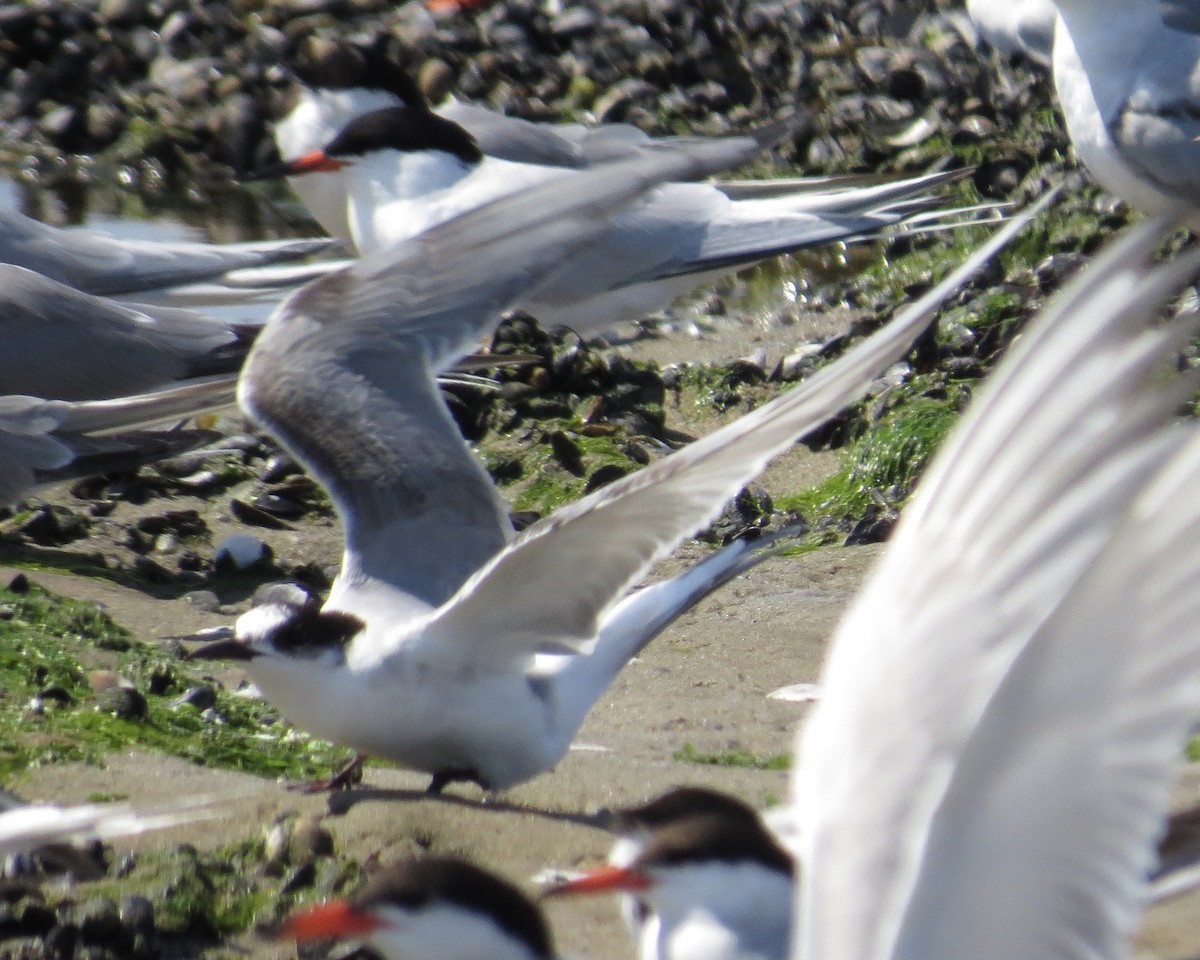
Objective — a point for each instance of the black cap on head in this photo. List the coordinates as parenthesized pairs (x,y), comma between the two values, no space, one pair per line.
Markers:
(404,129)
(309,631)
(711,836)
(679,803)
(414,884)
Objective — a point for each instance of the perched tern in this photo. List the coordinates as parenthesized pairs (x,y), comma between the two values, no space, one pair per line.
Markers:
(1004,706)
(407,170)
(715,885)
(61,344)
(1013,27)
(436,908)
(1127,74)
(447,644)
(340,81)
(634,825)
(97,263)
(44,441)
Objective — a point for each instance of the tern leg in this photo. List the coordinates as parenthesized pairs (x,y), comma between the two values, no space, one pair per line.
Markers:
(440,780)
(344,779)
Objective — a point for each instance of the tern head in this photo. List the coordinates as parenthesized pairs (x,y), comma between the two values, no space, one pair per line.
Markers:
(402,130)
(288,631)
(678,803)
(681,857)
(297,630)
(434,908)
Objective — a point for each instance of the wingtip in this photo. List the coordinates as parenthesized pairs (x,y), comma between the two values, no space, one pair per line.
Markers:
(772,134)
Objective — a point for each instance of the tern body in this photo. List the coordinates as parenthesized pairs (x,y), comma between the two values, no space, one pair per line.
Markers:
(1128,80)
(447,643)
(406,170)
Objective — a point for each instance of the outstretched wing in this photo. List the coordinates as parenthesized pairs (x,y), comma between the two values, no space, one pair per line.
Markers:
(1019,502)
(554,581)
(344,372)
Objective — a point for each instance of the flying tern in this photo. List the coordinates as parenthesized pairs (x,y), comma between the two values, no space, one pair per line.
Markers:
(181,272)
(1004,706)
(447,644)
(1127,74)
(437,908)
(406,170)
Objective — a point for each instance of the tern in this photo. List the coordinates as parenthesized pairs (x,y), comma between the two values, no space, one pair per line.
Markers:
(447,644)
(181,272)
(714,882)
(1013,27)
(635,825)
(1128,82)
(437,908)
(1004,705)
(340,81)
(407,170)
(44,441)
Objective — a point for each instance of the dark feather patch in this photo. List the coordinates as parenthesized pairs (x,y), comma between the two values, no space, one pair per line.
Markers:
(310,631)
(680,803)
(416,884)
(404,129)
(713,837)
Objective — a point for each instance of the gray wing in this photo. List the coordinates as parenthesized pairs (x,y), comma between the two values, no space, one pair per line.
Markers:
(343,373)
(97,263)
(1182,15)
(43,441)
(809,218)
(557,145)
(62,344)
(685,229)
(555,583)
(514,139)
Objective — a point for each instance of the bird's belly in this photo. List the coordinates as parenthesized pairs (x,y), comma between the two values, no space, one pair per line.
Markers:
(496,726)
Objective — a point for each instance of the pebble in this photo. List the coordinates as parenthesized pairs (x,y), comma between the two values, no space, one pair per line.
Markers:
(241,551)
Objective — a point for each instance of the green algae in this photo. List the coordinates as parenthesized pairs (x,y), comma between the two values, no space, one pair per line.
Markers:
(49,714)
(732,758)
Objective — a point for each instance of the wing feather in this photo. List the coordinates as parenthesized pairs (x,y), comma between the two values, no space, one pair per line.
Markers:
(344,372)
(1017,505)
(551,578)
